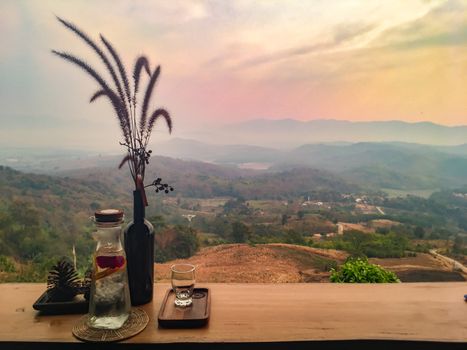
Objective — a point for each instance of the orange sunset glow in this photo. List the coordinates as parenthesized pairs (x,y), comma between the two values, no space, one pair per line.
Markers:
(230,61)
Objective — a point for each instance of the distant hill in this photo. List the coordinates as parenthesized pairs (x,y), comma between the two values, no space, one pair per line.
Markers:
(385,165)
(202,170)
(205,180)
(57,199)
(394,165)
(45,191)
(43,216)
(98,180)
(288,133)
(219,153)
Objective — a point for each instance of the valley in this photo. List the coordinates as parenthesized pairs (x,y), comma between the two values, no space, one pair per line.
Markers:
(284,213)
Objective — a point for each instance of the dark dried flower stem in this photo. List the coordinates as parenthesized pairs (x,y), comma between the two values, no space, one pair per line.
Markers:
(124,101)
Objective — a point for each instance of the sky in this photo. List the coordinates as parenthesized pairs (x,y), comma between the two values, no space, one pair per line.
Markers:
(225,62)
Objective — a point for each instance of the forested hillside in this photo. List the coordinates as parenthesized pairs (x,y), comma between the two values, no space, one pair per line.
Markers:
(43,216)
(204,180)
(379,165)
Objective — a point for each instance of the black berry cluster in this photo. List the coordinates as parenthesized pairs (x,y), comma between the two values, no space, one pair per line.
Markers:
(160,187)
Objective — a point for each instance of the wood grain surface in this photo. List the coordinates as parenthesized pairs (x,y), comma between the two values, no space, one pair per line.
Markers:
(194,316)
(256,313)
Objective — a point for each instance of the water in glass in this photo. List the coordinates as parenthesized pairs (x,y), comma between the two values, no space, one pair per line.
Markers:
(183,284)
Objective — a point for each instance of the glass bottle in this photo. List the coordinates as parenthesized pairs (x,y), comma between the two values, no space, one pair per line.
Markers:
(109,304)
(139,247)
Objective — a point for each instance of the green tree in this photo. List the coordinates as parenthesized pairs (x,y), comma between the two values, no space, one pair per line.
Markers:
(236,207)
(6,264)
(458,246)
(176,242)
(240,232)
(419,232)
(187,242)
(294,237)
(357,241)
(284,219)
(158,222)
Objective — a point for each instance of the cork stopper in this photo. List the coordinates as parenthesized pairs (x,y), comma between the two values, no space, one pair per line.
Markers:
(109,215)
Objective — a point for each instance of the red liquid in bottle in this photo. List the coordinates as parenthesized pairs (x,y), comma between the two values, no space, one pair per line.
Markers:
(112,262)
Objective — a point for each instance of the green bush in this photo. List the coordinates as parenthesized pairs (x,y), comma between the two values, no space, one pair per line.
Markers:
(361,271)
(390,245)
(6,265)
(177,242)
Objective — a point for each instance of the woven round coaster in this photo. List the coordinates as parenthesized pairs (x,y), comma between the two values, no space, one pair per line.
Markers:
(137,321)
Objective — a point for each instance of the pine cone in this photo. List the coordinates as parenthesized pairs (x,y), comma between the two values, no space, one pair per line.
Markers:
(62,281)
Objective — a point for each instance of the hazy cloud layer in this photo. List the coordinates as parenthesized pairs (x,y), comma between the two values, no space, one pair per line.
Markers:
(228,61)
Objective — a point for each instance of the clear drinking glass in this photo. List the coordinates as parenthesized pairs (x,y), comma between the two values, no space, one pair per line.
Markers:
(183,283)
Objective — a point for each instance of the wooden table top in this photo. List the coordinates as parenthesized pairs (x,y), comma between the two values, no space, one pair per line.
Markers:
(256,313)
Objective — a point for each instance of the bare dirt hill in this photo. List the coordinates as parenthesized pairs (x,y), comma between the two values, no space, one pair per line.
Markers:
(287,263)
(265,263)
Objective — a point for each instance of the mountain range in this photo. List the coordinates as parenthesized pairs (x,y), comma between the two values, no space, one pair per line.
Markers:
(289,133)
(435,157)
(394,165)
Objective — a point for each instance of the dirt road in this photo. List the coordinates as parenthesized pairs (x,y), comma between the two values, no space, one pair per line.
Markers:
(456,265)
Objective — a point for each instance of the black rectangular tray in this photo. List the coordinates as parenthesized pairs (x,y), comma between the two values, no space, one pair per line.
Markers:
(194,316)
(78,305)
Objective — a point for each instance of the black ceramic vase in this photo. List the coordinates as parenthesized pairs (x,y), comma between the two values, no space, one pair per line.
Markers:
(139,248)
